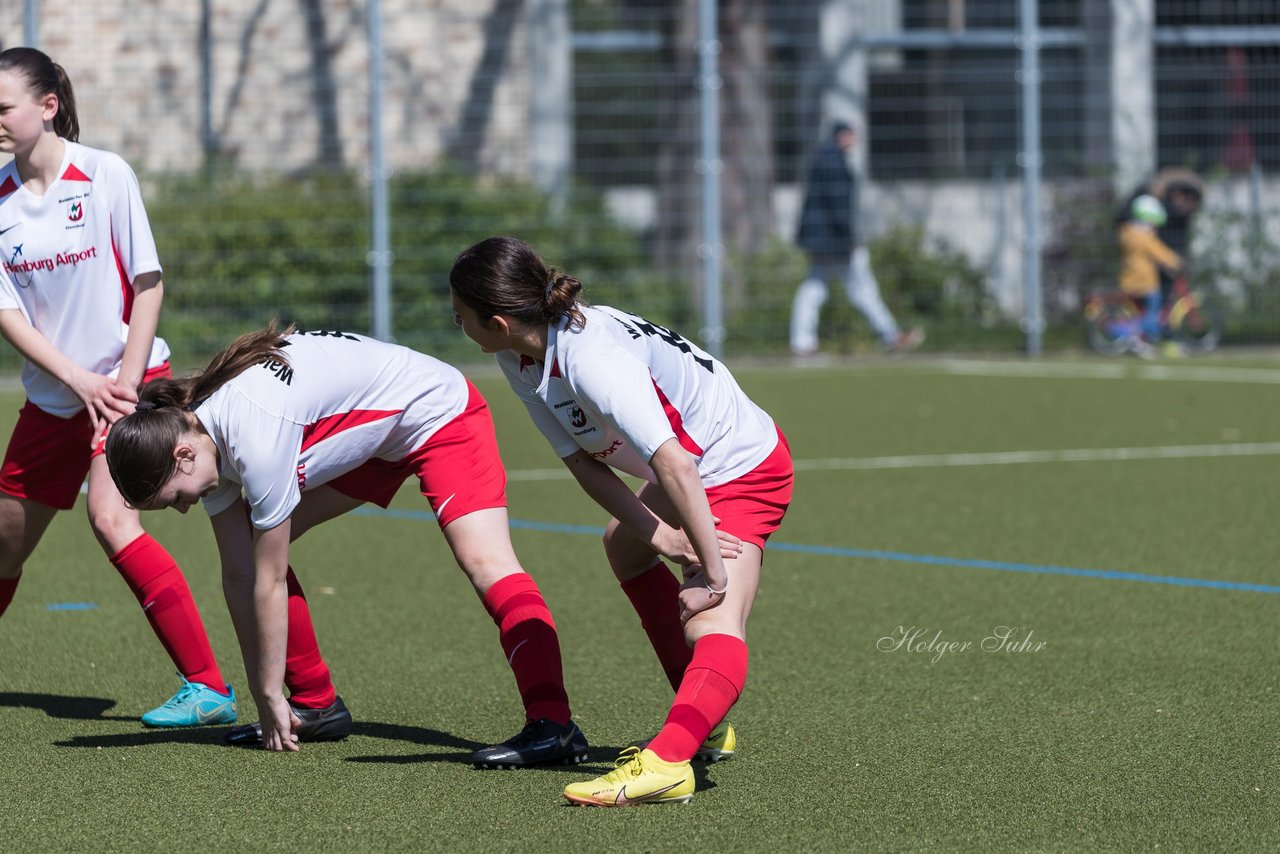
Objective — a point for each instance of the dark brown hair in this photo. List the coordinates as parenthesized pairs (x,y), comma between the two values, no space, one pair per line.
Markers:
(140,445)
(503,275)
(46,77)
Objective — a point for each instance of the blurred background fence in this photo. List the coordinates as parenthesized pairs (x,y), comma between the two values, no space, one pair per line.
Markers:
(576,124)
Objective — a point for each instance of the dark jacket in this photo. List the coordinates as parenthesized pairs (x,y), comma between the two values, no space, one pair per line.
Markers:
(1176,232)
(828,227)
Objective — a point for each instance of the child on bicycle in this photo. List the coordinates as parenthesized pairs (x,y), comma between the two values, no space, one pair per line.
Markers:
(1144,257)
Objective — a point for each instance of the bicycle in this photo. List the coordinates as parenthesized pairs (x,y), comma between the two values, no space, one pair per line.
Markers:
(1190,316)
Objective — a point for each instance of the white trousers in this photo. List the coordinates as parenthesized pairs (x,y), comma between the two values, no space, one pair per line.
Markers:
(860,286)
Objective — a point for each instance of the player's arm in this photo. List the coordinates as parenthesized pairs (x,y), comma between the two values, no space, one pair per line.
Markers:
(678,476)
(271,625)
(259,612)
(148,293)
(102,396)
(609,491)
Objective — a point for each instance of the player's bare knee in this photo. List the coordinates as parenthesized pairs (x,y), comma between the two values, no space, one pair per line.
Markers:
(12,556)
(114,527)
(627,554)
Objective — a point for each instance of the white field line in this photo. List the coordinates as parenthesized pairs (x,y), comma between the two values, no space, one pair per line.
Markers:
(1120,371)
(996,458)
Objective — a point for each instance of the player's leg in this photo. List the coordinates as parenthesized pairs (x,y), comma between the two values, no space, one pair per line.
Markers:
(22,523)
(312,696)
(481,544)
(751,507)
(160,588)
(461,475)
(651,586)
(35,483)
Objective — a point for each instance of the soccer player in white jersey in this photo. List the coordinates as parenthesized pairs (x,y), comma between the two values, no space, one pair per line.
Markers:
(80,296)
(283,431)
(610,390)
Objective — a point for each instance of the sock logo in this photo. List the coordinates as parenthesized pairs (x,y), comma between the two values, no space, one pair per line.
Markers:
(512,656)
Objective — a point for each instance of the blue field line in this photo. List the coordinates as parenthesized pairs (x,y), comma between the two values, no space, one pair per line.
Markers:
(901,557)
(72,606)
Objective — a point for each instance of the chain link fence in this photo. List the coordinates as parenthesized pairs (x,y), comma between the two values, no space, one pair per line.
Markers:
(576,125)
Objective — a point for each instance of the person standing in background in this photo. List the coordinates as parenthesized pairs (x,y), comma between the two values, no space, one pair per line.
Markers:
(828,233)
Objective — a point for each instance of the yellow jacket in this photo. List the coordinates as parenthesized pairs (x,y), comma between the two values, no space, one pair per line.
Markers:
(1144,254)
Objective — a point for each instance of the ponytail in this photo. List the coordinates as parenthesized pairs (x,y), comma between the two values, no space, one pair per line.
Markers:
(140,446)
(66,123)
(503,275)
(46,77)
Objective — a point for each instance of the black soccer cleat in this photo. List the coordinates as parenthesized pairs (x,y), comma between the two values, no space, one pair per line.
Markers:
(328,724)
(541,742)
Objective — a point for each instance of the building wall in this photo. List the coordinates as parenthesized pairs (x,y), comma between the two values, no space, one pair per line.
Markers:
(137,70)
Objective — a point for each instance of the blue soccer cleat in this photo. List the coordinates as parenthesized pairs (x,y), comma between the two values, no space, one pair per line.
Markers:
(194,705)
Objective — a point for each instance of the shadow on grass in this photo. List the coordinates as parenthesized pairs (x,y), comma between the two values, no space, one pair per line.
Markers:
(144,738)
(59,706)
(214,736)
(414,735)
(598,762)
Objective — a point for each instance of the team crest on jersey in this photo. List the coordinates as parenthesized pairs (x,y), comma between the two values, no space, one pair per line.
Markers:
(75,213)
(577,417)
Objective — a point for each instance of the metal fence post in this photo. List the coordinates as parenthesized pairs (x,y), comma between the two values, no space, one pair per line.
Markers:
(31,23)
(711,248)
(1029,42)
(380,257)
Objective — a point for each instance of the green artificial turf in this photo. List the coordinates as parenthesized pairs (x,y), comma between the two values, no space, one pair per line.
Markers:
(1140,714)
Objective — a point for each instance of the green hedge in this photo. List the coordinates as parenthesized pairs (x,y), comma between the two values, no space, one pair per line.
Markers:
(239,250)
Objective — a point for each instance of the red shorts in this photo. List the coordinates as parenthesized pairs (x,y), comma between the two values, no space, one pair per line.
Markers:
(48,457)
(458,468)
(751,507)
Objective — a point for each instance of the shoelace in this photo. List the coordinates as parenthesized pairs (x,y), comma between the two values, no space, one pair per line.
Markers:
(627,764)
(187,689)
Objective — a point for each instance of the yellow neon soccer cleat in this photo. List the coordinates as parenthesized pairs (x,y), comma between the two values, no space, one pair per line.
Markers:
(720,744)
(640,777)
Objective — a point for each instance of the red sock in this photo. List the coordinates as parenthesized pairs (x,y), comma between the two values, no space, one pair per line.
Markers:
(655,596)
(7,588)
(528,637)
(711,686)
(166,600)
(305,673)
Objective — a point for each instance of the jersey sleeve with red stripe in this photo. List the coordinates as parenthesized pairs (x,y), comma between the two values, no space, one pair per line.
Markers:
(612,381)
(131,237)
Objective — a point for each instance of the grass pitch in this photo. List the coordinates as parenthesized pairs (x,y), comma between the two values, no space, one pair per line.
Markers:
(1115,522)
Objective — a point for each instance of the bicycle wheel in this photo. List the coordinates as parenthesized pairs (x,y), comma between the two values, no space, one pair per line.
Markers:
(1111,322)
(1195,321)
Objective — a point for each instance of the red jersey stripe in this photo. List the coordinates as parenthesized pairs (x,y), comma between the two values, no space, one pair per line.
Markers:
(332,425)
(126,286)
(677,424)
(74,174)
(9,186)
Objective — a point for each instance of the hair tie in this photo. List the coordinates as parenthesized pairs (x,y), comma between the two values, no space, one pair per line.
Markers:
(551,286)
(144,406)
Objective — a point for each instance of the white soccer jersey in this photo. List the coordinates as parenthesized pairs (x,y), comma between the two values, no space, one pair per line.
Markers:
(621,386)
(70,258)
(342,400)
